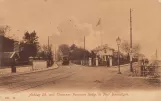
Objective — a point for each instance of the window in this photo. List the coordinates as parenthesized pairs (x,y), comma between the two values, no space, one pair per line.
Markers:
(105,51)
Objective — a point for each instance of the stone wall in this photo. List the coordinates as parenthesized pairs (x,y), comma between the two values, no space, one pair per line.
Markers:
(39,64)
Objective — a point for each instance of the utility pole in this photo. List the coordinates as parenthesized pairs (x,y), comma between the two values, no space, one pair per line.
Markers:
(84,49)
(84,42)
(48,43)
(101,40)
(131,68)
(55,54)
(48,53)
(156,54)
(101,34)
(1,49)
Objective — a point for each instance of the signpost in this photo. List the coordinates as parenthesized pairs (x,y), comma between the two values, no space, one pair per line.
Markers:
(16,50)
(16,46)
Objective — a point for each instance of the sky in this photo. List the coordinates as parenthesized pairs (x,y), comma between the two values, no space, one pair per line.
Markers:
(68,21)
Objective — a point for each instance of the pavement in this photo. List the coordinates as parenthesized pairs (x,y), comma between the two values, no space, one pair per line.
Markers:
(76,77)
(23,70)
(72,82)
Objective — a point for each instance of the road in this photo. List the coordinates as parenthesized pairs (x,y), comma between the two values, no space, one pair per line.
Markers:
(76,77)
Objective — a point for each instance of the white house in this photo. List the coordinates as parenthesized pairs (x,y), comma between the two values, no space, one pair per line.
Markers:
(105,53)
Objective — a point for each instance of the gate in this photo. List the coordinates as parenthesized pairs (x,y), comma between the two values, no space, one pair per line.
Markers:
(152,70)
(146,69)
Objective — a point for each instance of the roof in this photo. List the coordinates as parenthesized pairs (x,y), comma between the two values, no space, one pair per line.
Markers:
(10,55)
(6,38)
(100,48)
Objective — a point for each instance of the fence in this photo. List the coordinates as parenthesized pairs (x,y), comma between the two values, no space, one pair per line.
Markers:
(39,64)
(122,61)
(49,62)
(8,62)
(103,63)
(146,69)
(80,62)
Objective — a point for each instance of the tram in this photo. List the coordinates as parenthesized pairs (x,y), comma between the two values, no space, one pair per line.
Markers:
(65,60)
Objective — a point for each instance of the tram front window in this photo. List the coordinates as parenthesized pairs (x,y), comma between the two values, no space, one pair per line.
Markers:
(65,61)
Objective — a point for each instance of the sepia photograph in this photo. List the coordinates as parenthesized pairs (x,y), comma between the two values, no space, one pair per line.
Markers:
(87,50)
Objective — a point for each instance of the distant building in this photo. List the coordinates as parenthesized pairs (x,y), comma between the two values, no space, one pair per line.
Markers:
(6,46)
(104,52)
(9,57)
(108,56)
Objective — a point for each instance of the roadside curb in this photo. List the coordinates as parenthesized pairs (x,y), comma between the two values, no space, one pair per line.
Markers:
(28,72)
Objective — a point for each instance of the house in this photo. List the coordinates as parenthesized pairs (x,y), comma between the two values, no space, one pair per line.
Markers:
(6,49)
(105,54)
(9,57)
(6,44)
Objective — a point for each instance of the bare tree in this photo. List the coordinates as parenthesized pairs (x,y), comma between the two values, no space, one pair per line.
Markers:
(136,48)
(47,48)
(64,49)
(125,47)
(4,30)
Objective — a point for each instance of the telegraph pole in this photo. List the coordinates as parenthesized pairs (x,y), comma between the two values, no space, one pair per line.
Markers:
(1,49)
(48,53)
(156,54)
(55,54)
(101,34)
(84,49)
(131,68)
(48,43)
(84,42)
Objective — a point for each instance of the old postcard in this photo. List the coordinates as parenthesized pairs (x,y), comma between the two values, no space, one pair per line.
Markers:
(86,50)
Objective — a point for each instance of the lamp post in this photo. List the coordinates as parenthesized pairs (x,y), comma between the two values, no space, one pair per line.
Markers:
(131,68)
(118,40)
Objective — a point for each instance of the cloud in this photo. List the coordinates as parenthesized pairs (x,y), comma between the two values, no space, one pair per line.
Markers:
(72,31)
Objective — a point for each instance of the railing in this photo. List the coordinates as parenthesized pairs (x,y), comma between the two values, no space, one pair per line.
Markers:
(80,62)
(101,62)
(149,70)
